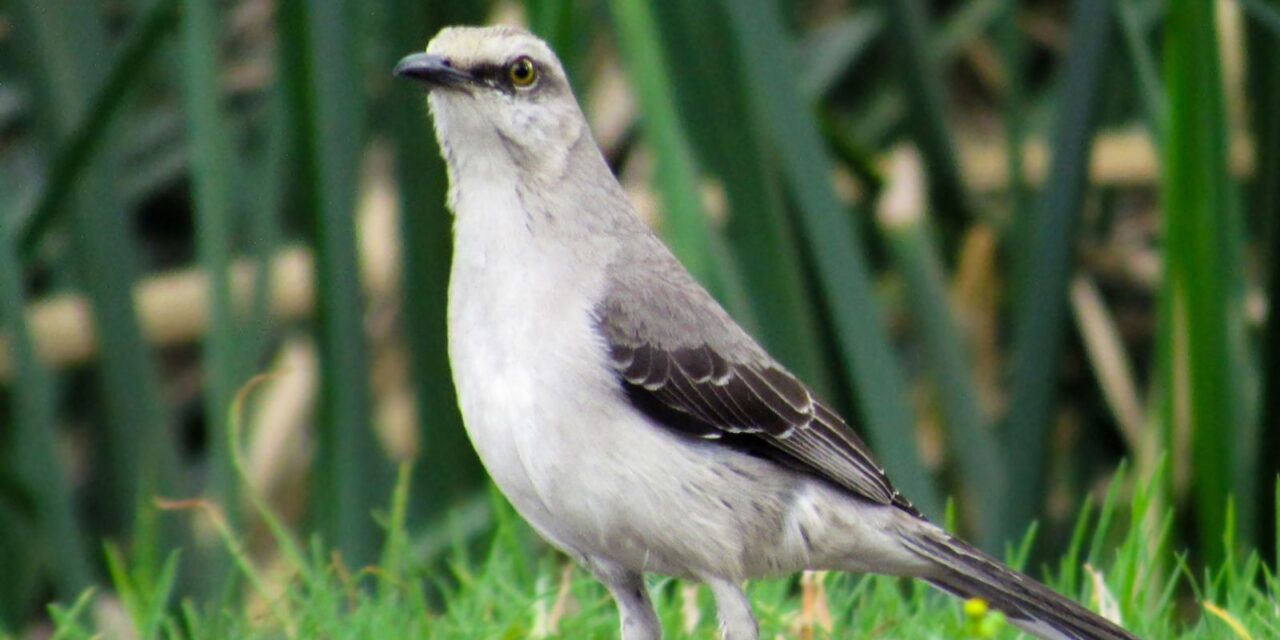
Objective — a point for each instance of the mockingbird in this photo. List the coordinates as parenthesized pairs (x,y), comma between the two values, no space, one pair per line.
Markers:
(626,416)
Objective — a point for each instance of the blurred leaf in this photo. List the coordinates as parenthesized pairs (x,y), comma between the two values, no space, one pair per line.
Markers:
(23,578)
(82,145)
(827,52)
(907,27)
(1264,205)
(260,207)
(910,242)
(30,443)
(13,102)
(212,177)
(1202,272)
(324,89)
(1264,13)
(1039,312)
(684,222)
(1144,67)
(887,105)
(565,25)
(835,247)
(137,445)
(448,469)
(967,23)
(1015,130)
(711,84)
(857,157)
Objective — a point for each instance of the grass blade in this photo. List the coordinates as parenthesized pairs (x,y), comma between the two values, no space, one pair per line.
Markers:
(902,221)
(1040,311)
(684,221)
(32,449)
(1144,67)
(835,246)
(907,29)
(212,177)
(565,25)
(449,469)
(211,174)
(1202,268)
(1015,131)
(262,224)
(827,52)
(322,58)
(83,144)
(136,443)
(711,84)
(1263,13)
(1264,204)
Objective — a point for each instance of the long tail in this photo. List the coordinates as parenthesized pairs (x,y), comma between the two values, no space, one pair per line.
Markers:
(969,573)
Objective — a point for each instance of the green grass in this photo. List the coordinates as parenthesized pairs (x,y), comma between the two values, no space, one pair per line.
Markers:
(1045,258)
(1211,367)
(153,138)
(513,587)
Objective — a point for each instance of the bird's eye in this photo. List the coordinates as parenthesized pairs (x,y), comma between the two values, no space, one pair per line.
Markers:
(522,72)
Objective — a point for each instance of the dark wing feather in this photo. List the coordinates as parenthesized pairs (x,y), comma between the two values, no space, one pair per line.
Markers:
(700,391)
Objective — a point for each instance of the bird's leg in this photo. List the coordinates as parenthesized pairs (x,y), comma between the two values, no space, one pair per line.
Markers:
(639,620)
(736,619)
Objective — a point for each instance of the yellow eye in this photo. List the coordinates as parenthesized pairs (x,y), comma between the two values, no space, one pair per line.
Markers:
(522,73)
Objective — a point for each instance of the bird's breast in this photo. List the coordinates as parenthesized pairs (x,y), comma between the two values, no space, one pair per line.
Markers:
(526,359)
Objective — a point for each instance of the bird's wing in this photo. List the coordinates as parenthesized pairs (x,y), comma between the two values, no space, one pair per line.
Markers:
(682,360)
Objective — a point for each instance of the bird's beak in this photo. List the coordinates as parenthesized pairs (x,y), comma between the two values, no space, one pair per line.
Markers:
(433,71)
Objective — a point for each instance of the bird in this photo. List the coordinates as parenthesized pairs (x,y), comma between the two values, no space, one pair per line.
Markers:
(619,408)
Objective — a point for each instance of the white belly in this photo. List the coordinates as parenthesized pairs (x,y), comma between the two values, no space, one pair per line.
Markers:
(525,357)
(546,416)
(548,420)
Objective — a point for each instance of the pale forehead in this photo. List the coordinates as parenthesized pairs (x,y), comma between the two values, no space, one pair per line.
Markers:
(471,45)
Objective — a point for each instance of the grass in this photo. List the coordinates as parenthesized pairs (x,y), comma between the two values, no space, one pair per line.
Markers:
(159,138)
(513,587)
(1044,267)
(321,49)
(1211,372)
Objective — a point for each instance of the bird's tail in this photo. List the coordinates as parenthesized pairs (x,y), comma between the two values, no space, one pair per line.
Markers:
(969,573)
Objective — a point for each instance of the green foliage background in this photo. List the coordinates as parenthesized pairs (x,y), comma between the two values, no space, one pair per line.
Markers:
(190,194)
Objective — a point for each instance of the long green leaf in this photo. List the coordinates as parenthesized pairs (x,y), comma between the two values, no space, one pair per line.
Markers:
(1040,311)
(565,25)
(261,220)
(1263,13)
(711,84)
(137,443)
(31,450)
(1015,123)
(910,241)
(211,158)
(212,177)
(684,222)
(907,27)
(888,107)
(324,89)
(834,245)
(1202,268)
(1264,204)
(448,469)
(82,145)
(827,52)
(1144,67)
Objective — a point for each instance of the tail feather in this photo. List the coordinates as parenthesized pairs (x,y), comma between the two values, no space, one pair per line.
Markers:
(969,573)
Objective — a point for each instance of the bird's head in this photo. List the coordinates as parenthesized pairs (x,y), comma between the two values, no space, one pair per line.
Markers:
(497,94)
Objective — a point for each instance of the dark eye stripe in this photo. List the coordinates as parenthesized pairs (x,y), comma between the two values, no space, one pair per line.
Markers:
(498,76)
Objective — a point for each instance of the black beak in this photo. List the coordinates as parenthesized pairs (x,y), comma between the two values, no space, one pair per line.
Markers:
(433,71)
